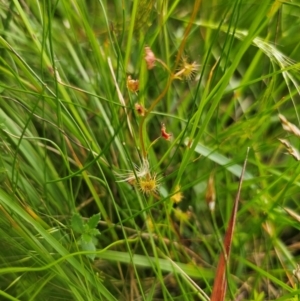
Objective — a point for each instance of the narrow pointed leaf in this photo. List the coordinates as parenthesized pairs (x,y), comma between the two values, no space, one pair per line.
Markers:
(220,283)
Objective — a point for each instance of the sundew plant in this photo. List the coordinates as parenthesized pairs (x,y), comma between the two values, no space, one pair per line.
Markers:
(124,132)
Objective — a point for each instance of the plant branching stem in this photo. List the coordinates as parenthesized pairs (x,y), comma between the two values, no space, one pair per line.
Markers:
(144,152)
(171,78)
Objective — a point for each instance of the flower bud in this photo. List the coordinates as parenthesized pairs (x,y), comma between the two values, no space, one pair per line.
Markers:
(149,58)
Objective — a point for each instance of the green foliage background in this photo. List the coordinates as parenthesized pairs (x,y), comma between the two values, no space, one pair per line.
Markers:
(66,137)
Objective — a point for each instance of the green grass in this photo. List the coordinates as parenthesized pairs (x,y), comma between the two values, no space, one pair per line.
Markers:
(70,134)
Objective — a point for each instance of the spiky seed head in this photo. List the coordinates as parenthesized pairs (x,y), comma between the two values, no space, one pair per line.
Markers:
(187,70)
(149,184)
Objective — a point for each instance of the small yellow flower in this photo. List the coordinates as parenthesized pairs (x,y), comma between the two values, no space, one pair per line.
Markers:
(177,196)
(150,224)
(187,70)
(181,216)
(132,84)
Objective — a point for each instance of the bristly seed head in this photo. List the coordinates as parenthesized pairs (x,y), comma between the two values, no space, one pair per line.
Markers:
(187,70)
(149,184)
(146,182)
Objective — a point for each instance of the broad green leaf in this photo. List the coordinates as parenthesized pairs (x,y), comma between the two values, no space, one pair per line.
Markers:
(93,221)
(77,223)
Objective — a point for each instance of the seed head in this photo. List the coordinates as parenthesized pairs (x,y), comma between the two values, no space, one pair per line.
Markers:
(210,194)
(296,272)
(291,149)
(289,127)
(146,181)
(139,172)
(149,184)
(187,70)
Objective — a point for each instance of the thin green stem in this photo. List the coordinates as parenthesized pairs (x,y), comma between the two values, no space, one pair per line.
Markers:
(171,78)
(157,100)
